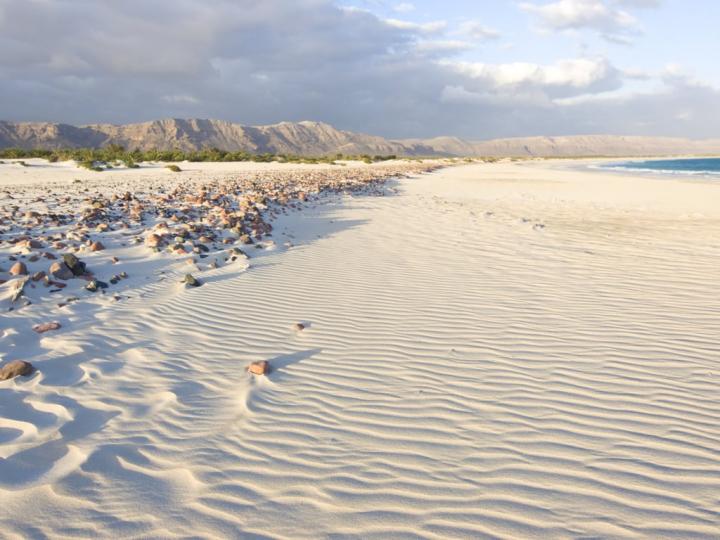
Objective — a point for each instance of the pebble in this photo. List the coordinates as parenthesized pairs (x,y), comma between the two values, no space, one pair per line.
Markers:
(46,327)
(18,269)
(259,368)
(190,281)
(14,369)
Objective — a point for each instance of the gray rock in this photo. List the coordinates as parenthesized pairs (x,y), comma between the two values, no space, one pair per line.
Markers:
(190,281)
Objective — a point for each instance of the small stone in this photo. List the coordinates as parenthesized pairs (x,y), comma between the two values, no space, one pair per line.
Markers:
(259,368)
(96,285)
(46,327)
(299,327)
(115,260)
(190,281)
(74,264)
(14,369)
(153,240)
(60,270)
(37,276)
(31,244)
(18,269)
(97,246)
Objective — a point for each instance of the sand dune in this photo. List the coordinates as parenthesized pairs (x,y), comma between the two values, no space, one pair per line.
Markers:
(491,351)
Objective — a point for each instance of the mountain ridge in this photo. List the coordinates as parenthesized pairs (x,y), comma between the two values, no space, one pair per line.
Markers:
(318,138)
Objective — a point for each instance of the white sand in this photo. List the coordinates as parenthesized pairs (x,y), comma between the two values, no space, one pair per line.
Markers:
(466,373)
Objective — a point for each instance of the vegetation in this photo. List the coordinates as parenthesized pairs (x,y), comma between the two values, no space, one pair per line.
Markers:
(117,154)
(174,168)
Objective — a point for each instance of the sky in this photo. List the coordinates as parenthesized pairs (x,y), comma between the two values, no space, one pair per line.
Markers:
(477,69)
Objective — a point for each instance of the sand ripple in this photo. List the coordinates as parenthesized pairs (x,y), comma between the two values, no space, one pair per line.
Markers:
(463,374)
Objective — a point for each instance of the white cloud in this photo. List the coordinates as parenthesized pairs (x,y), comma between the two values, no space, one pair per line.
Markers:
(476,30)
(575,73)
(404,7)
(432,27)
(605,17)
(262,62)
(443,47)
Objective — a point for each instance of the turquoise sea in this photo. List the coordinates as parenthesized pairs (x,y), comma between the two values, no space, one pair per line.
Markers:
(687,166)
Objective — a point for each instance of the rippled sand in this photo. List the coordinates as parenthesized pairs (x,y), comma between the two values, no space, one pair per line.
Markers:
(509,350)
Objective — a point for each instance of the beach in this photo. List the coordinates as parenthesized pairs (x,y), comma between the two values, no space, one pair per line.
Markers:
(490,350)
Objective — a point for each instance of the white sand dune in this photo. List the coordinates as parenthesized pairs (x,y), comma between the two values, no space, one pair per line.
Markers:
(492,351)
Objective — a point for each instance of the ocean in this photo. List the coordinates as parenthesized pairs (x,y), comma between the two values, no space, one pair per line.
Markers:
(691,166)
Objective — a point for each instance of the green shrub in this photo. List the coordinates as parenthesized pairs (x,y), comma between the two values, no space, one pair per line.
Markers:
(173,168)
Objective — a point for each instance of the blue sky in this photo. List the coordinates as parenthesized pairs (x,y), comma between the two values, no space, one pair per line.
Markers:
(681,34)
(478,70)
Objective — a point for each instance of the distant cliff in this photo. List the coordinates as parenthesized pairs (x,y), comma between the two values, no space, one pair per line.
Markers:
(316,139)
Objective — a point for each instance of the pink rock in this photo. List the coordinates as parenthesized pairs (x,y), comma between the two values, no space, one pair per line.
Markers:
(153,240)
(259,368)
(46,327)
(60,270)
(18,269)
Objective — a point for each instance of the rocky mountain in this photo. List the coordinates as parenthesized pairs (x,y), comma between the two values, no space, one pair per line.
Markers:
(301,138)
(316,138)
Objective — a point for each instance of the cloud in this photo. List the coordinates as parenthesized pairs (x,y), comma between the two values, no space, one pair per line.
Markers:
(478,31)
(603,16)
(433,27)
(404,7)
(262,62)
(561,79)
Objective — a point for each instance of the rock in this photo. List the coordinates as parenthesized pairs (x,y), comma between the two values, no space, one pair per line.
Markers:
(76,266)
(299,327)
(19,287)
(18,269)
(60,270)
(96,246)
(96,285)
(31,244)
(46,327)
(190,281)
(115,260)
(37,276)
(259,368)
(14,369)
(153,240)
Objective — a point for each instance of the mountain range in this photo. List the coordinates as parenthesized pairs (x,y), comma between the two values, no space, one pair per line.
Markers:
(317,138)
